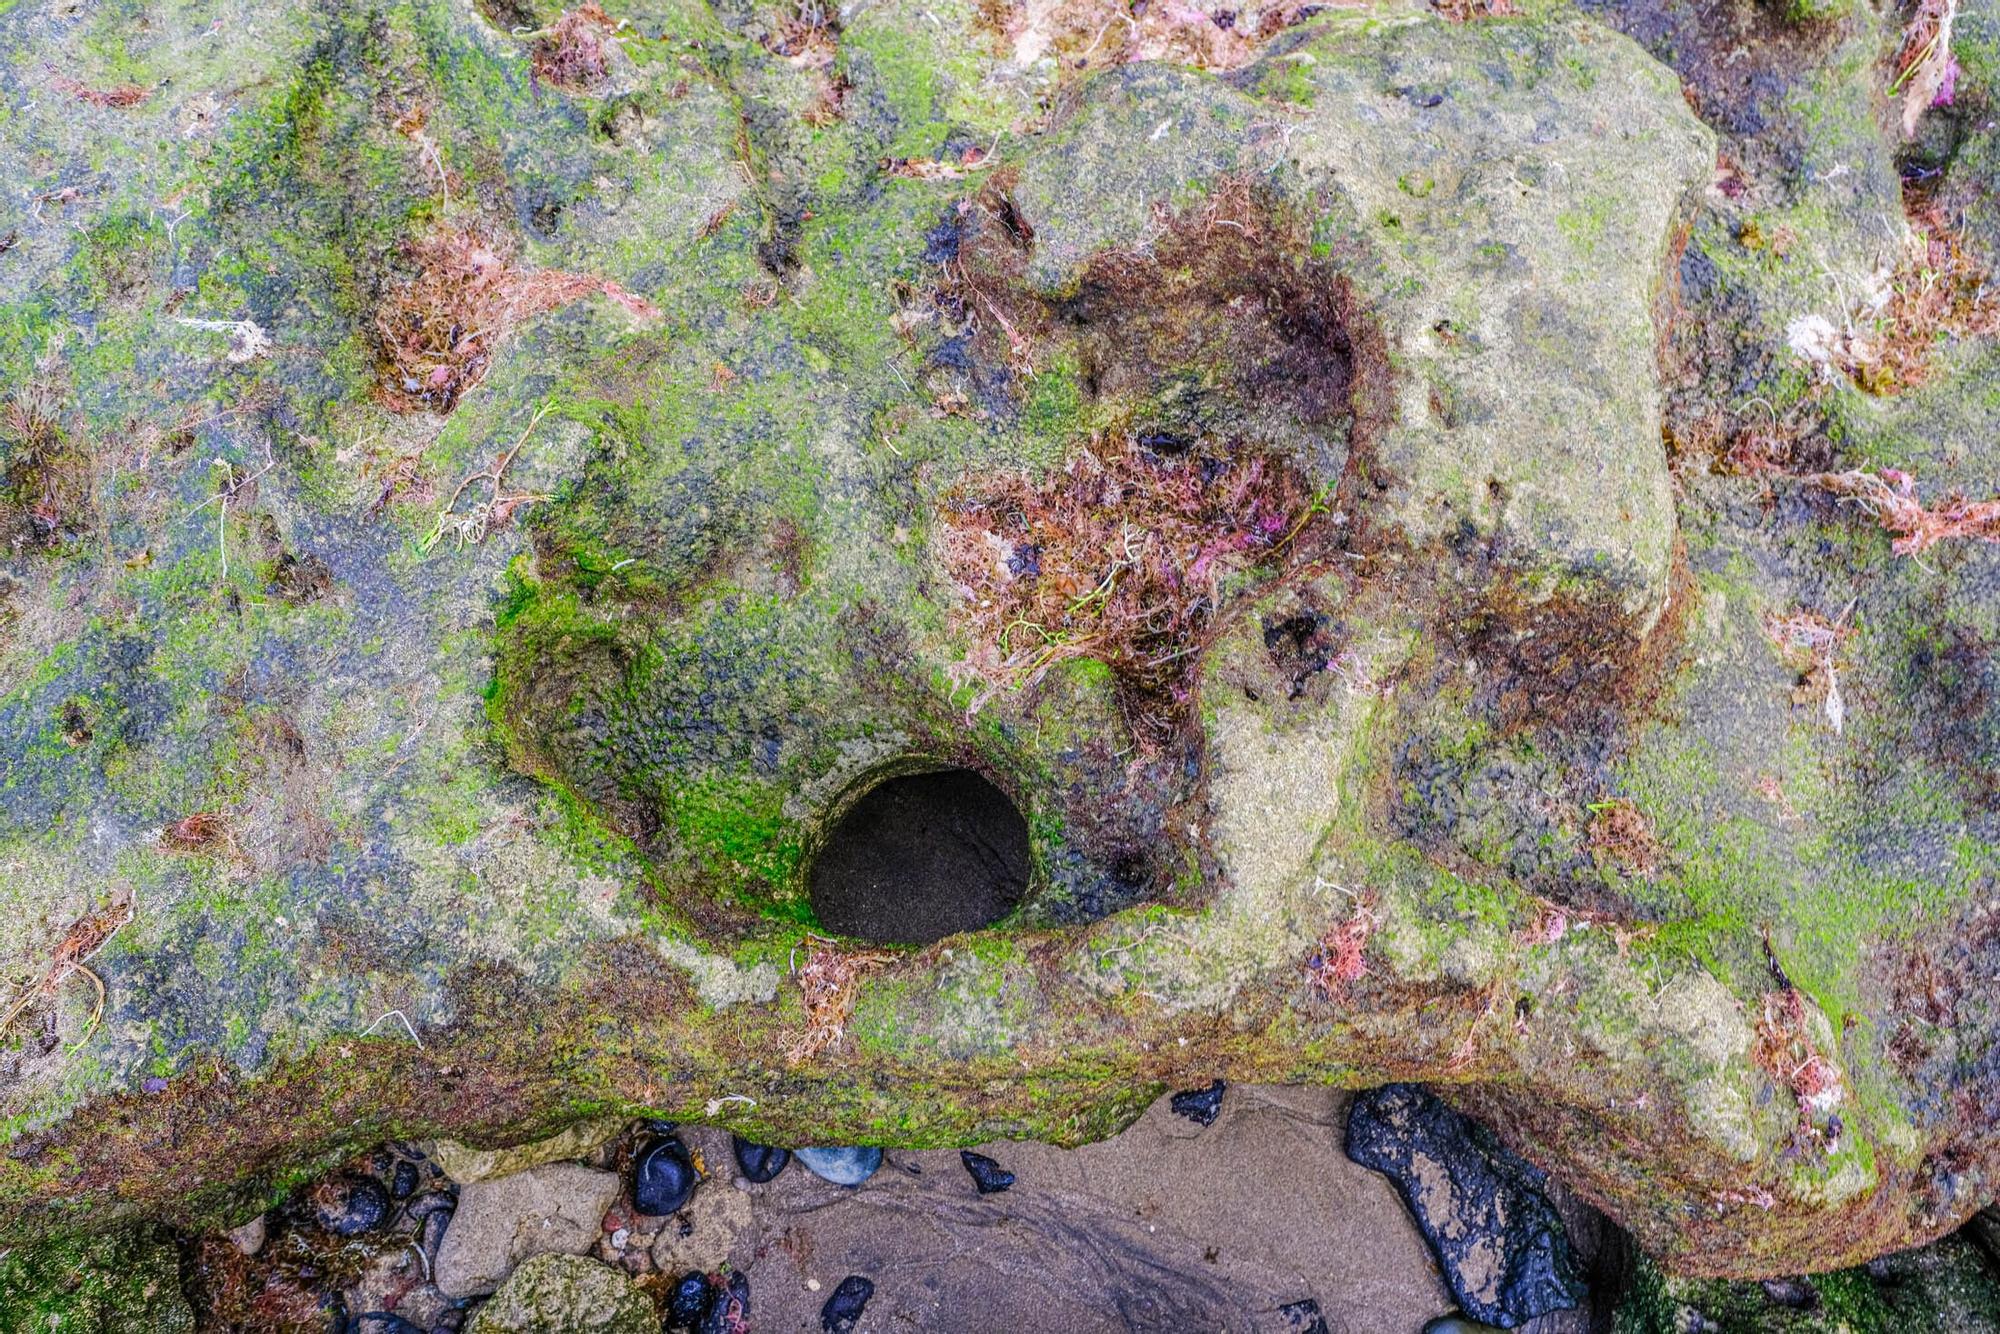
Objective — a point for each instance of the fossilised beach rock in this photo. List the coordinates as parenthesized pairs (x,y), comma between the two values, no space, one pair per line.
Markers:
(473,530)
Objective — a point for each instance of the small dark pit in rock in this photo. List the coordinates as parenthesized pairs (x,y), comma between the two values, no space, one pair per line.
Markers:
(843,1310)
(759,1163)
(1200,1106)
(1303,1317)
(664,1178)
(348,1206)
(988,1175)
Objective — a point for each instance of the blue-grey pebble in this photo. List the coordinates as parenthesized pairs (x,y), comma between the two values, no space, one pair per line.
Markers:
(842,1166)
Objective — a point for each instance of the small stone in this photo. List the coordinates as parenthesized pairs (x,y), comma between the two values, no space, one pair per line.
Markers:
(843,1309)
(348,1206)
(249,1238)
(1795,1293)
(663,1179)
(1498,1240)
(989,1176)
(842,1166)
(760,1162)
(381,1322)
(689,1305)
(567,1294)
(403,1180)
(1200,1106)
(1304,1317)
(730,1313)
(504,1222)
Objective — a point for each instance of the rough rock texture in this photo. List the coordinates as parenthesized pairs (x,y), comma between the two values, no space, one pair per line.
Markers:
(718,1216)
(567,1294)
(474,510)
(1499,1241)
(551,1210)
(465,1164)
(1946,1287)
(120,1283)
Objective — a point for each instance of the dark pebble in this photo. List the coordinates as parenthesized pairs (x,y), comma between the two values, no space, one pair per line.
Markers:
(403,1180)
(1498,1240)
(760,1162)
(663,1179)
(690,1303)
(348,1206)
(988,1175)
(730,1313)
(1303,1317)
(1795,1293)
(431,1230)
(381,1322)
(1200,1106)
(843,1310)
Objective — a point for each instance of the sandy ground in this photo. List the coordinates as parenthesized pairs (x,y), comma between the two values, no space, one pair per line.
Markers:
(1171,1227)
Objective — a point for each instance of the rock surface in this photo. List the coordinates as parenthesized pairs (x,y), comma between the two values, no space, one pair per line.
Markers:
(566,1294)
(712,1226)
(1946,1287)
(119,1283)
(465,1164)
(554,1209)
(424,733)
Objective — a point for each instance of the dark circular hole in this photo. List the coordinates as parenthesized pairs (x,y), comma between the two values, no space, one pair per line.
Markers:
(920,858)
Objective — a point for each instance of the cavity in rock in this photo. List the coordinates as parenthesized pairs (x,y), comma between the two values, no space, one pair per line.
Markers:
(922,857)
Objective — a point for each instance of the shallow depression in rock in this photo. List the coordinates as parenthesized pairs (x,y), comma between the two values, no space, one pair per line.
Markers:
(921,857)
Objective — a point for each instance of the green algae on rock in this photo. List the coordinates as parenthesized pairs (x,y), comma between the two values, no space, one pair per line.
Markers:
(512,709)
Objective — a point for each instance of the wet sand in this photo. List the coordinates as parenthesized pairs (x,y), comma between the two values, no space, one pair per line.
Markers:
(1171,1226)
